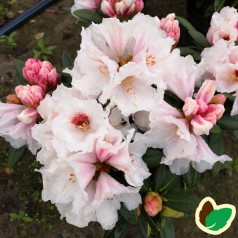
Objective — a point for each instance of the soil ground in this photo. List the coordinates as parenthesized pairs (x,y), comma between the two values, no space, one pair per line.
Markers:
(20,190)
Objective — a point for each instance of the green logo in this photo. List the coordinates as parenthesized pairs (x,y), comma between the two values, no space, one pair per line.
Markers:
(212,218)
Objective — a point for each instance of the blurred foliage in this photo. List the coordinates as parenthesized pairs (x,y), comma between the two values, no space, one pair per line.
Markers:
(41,51)
(8,43)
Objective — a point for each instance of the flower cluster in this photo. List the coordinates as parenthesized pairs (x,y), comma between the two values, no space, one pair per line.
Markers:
(93,135)
(20,114)
(224,25)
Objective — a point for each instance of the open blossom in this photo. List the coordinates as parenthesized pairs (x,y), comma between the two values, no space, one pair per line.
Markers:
(122,8)
(85,4)
(81,185)
(180,131)
(16,122)
(79,121)
(41,73)
(221,62)
(171,26)
(120,62)
(224,26)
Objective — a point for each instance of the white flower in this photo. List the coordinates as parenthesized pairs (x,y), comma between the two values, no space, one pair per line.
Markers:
(16,122)
(178,131)
(70,124)
(81,184)
(120,62)
(223,26)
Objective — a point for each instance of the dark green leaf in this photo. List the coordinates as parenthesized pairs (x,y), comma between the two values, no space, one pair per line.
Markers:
(190,178)
(19,79)
(217,219)
(217,143)
(143,226)
(118,231)
(152,157)
(228,122)
(14,155)
(199,38)
(165,181)
(67,62)
(216,129)
(88,15)
(217,167)
(186,23)
(153,223)
(146,186)
(172,99)
(129,216)
(167,231)
(188,51)
(218,4)
(181,201)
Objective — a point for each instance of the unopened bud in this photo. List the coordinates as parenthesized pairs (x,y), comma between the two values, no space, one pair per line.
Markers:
(152,203)
(12,98)
(30,95)
(218,99)
(171,26)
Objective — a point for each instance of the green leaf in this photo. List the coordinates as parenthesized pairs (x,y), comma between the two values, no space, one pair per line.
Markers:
(152,157)
(167,231)
(218,4)
(190,178)
(165,181)
(129,216)
(217,167)
(181,201)
(146,186)
(216,129)
(188,51)
(67,62)
(14,155)
(118,231)
(143,226)
(88,15)
(41,43)
(27,219)
(217,143)
(14,216)
(199,38)
(186,23)
(228,122)
(217,219)
(19,79)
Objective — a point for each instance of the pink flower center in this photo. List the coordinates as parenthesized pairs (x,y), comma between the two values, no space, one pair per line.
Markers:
(81,121)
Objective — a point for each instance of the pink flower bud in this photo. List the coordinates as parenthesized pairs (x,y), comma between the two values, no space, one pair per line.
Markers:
(218,99)
(120,8)
(28,115)
(41,73)
(12,98)
(30,95)
(31,70)
(171,26)
(152,204)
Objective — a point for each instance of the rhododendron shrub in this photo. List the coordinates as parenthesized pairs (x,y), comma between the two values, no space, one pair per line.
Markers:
(133,114)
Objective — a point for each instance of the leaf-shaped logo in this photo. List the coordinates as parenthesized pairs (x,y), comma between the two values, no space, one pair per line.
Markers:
(212,218)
